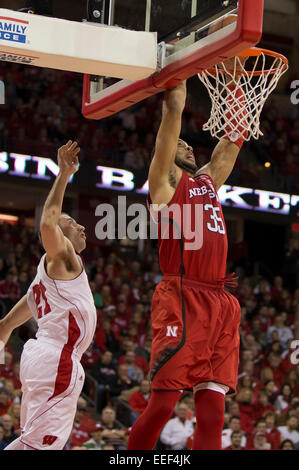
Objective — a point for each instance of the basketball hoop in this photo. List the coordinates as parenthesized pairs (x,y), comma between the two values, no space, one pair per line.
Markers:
(252,75)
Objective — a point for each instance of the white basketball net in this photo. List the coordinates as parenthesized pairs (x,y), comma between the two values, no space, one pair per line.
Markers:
(230,115)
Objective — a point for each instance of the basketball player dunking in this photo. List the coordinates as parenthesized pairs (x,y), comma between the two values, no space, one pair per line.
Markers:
(194,319)
(60,300)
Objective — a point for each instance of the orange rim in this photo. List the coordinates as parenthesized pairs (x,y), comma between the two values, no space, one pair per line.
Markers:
(256,52)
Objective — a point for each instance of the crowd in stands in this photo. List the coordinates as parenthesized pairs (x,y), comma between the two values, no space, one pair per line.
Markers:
(43,106)
(264,412)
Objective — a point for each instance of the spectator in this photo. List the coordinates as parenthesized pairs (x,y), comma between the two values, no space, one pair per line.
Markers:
(105,374)
(290,430)
(95,442)
(283,331)
(139,361)
(123,386)
(274,361)
(284,398)
(82,426)
(236,441)
(139,400)
(272,432)
(105,338)
(262,406)
(5,401)
(9,291)
(234,424)
(176,432)
(14,412)
(2,443)
(287,444)
(112,433)
(189,441)
(90,357)
(9,432)
(271,390)
(108,447)
(135,372)
(260,442)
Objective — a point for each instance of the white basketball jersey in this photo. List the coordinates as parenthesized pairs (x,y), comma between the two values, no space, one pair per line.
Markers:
(64,310)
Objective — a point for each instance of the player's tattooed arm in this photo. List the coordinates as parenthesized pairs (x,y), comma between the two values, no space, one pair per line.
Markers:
(18,315)
(166,144)
(222,162)
(52,236)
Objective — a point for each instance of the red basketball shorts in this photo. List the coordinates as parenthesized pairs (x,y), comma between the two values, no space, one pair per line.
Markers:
(195,335)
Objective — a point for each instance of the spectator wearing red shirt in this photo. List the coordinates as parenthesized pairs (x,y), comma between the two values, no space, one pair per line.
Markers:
(139,320)
(123,316)
(245,400)
(139,400)
(277,288)
(246,421)
(9,291)
(260,427)
(273,435)
(236,439)
(262,406)
(83,423)
(274,362)
(105,338)
(90,357)
(6,369)
(271,390)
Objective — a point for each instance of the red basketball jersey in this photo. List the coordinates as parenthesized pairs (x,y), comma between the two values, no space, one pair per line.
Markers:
(192,231)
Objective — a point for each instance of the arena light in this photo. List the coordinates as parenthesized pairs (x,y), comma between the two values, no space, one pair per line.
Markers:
(9,218)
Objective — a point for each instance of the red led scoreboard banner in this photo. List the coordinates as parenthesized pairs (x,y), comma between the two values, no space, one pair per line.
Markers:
(118,179)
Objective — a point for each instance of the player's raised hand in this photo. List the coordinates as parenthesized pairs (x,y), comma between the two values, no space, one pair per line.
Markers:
(68,158)
(176,97)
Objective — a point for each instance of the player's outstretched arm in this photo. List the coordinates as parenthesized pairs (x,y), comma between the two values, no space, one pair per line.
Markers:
(166,144)
(18,315)
(53,239)
(222,162)
(227,150)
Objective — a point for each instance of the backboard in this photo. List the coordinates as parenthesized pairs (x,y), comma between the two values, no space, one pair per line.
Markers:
(185,45)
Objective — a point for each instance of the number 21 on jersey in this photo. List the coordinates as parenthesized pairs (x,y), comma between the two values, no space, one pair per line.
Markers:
(39,292)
